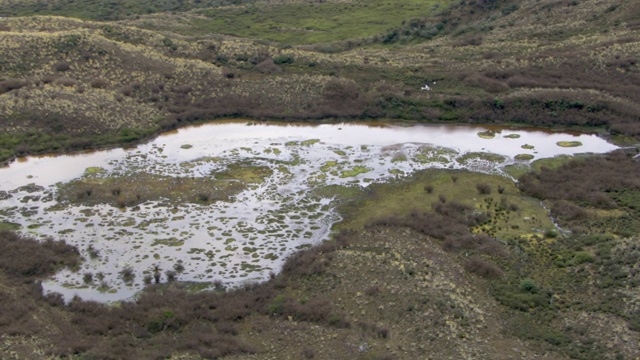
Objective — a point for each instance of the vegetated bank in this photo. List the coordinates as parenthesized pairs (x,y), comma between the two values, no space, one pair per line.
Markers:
(73,85)
(417,267)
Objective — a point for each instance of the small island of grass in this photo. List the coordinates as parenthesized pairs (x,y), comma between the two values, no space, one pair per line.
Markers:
(512,136)
(569,143)
(487,134)
(357,170)
(524,157)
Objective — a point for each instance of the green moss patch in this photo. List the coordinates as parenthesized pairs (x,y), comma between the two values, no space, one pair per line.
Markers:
(172,241)
(94,170)
(487,134)
(510,213)
(517,170)
(551,163)
(399,157)
(245,172)
(9,226)
(309,142)
(355,171)
(569,143)
(434,155)
(524,157)
(133,189)
(468,157)
(328,165)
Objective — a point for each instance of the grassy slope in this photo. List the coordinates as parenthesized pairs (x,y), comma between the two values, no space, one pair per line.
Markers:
(384,292)
(546,62)
(69,84)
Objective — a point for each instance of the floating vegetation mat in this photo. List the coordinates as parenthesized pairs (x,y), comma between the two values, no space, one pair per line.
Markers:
(569,143)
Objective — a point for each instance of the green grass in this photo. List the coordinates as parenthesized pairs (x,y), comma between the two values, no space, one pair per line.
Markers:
(525,217)
(569,143)
(315,23)
(9,226)
(551,163)
(524,157)
(464,159)
(355,171)
(100,10)
(487,134)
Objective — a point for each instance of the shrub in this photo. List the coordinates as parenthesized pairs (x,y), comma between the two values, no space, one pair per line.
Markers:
(98,83)
(308,353)
(27,259)
(581,257)
(87,277)
(93,252)
(62,66)
(183,89)
(527,285)
(178,267)
(127,274)
(482,268)
(171,275)
(65,81)
(126,90)
(567,211)
(372,290)
(267,66)
(11,84)
(487,84)
(283,59)
(483,189)
(157,275)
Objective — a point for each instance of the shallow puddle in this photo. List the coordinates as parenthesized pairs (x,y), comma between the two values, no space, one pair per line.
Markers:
(234,234)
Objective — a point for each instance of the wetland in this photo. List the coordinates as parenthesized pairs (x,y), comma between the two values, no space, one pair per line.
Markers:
(225,204)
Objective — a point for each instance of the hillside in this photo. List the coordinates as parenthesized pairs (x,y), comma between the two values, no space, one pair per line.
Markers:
(435,266)
(70,84)
(445,264)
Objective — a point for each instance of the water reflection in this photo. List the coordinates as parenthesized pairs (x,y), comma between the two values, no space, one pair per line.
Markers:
(246,239)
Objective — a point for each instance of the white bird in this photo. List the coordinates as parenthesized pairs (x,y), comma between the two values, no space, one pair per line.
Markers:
(426,87)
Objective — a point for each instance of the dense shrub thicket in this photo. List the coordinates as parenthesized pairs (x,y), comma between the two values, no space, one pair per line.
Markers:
(451,222)
(591,182)
(164,319)
(28,259)
(607,182)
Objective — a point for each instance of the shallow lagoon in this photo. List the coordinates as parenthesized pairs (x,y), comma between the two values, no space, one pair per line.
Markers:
(249,237)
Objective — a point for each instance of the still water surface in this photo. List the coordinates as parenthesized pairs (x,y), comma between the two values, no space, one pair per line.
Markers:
(246,239)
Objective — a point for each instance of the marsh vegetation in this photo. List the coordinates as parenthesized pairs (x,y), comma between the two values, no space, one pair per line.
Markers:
(233,205)
(387,250)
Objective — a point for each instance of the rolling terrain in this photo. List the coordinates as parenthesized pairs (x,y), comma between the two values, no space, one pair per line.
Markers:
(442,265)
(72,84)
